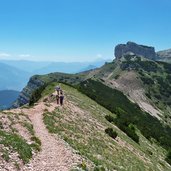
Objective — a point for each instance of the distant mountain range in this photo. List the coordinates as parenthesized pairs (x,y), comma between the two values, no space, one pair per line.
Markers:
(7,97)
(12,78)
(44,67)
(73,67)
(15,74)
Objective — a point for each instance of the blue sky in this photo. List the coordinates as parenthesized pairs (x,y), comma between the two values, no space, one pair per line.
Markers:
(80,30)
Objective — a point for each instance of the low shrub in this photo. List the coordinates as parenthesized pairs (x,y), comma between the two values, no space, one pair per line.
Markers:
(110,118)
(111,132)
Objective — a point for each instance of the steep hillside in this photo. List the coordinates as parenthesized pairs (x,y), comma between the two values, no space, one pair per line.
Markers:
(7,97)
(140,141)
(144,81)
(83,124)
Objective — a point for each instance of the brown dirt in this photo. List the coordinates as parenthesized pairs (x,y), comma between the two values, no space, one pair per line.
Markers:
(55,154)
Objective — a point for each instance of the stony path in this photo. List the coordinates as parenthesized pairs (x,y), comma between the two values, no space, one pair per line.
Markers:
(55,155)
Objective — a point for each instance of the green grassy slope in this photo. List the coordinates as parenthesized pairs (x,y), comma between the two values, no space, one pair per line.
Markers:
(17,140)
(127,112)
(82,123)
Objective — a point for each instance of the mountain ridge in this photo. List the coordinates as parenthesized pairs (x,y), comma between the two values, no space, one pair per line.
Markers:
(80,125)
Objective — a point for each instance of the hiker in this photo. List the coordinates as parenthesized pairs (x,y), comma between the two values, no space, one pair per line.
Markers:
(61,97)
(57,88)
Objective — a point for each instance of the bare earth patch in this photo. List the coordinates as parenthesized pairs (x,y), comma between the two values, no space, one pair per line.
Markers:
(55,154)
(132,87)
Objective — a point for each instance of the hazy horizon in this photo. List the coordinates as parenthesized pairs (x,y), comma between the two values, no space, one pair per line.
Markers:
(86,61)
(80,30)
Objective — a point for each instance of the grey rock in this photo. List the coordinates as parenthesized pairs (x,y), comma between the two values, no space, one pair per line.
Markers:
(26,93)
(131,47)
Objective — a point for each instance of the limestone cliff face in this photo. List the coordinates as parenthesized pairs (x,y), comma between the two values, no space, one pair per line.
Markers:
(26,93)
(131,47)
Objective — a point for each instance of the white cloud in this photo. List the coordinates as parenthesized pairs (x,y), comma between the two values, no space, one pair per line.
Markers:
(2,54)
(99,55)
(24,55)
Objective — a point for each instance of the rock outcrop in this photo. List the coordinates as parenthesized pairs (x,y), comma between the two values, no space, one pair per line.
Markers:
(26,93)
(131,47)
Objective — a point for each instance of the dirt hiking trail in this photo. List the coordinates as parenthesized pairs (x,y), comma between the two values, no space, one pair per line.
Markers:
(55,154)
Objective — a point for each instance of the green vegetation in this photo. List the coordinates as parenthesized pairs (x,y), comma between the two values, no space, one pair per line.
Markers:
(82,124)
(156,79)
(137,63)
(111,132)
(128,113)
(36,95)
(37,140)
(129,129)
(10,137)
(5,155)
(36,145)
(17,143)
(168,157)
(29,127)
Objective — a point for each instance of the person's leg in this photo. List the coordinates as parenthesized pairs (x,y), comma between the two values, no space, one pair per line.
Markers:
(57,99)
(61,101)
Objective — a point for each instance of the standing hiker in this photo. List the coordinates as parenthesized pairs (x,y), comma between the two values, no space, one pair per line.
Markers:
(57,88)
(61,97)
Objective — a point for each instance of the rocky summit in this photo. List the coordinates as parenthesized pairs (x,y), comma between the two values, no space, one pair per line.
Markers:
(131,47)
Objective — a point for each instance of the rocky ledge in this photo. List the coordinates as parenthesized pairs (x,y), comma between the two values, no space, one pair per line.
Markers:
(26,93)
(139,50)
